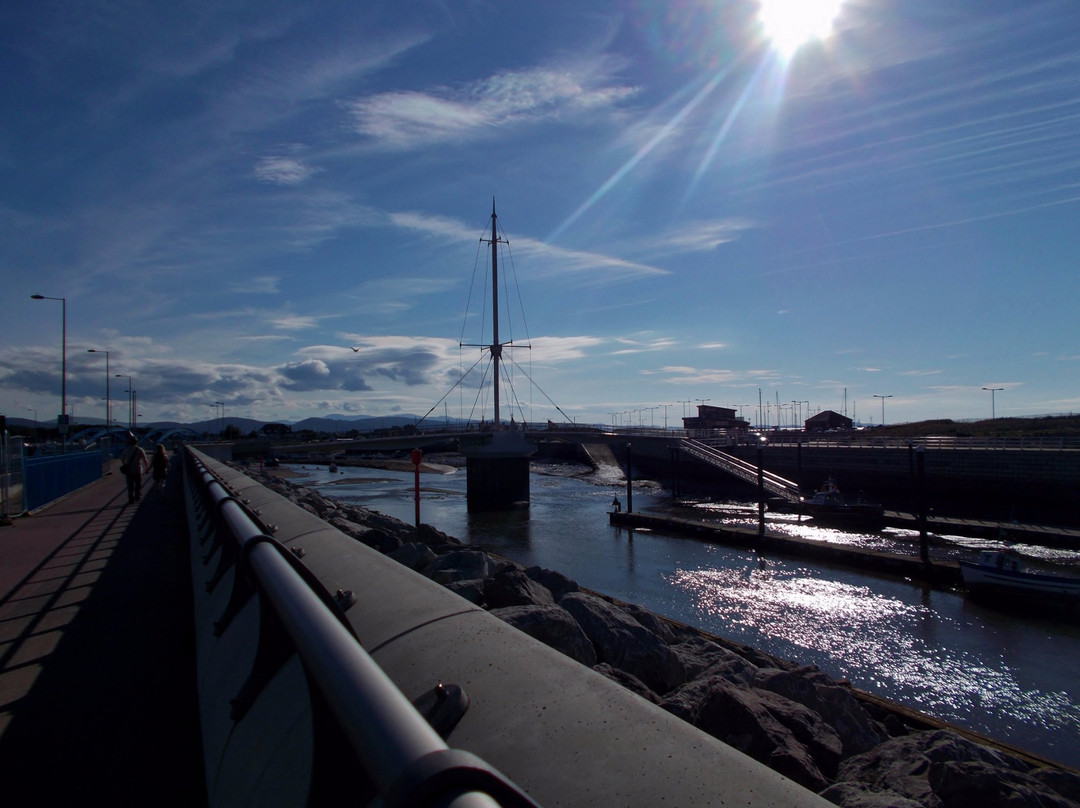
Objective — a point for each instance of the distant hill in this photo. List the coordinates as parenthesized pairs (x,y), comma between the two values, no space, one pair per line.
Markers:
(339,423)
(1042,426)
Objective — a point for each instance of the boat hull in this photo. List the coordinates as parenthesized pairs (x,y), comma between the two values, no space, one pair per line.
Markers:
(847,516)
(1022,591)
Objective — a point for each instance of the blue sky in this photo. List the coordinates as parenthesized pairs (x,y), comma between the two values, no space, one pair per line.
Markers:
(232,196)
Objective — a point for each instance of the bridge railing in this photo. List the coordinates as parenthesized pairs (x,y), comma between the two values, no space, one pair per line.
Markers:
(401,753)
(315,652)
(773,483)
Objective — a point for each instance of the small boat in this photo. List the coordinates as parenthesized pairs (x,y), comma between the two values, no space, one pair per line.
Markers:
(829,505)
(999,578)
(333,468)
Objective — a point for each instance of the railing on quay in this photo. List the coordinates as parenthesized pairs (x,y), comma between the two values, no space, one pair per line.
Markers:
(851,440)
(405,759)
(48,478)
(267,629)
(773,483)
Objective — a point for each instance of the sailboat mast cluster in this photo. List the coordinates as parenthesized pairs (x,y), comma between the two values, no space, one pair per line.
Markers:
(496,346)
(496,462)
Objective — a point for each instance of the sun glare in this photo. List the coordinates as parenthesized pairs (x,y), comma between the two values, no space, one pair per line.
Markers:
(789,24)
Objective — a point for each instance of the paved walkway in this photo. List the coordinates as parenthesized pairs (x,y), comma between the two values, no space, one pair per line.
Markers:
(97,663)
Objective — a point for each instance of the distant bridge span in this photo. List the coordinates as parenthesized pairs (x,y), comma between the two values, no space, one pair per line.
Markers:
(1029,479)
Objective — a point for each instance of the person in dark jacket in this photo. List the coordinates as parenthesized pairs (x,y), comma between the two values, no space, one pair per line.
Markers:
(159,468)
(132,463)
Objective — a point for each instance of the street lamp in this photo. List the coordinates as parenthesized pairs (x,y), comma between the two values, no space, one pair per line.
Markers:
(125,376)
(108,401)
(993,407)
(882,407)
(63,363)
(215,405)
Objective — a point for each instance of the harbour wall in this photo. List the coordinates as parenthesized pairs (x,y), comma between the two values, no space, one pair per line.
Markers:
(560,731)
(1026,485)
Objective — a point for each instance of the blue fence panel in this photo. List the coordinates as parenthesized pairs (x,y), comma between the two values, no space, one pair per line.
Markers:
(49,478)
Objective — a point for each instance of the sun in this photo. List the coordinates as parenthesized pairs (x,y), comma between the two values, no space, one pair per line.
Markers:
(789,24)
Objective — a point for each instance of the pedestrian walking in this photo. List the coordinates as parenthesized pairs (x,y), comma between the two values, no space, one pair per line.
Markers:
(159,468)
(132,463)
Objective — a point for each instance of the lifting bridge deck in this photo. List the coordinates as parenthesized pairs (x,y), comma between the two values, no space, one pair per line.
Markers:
(773,483)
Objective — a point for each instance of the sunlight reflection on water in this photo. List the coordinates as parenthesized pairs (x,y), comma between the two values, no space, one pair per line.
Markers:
(886,643)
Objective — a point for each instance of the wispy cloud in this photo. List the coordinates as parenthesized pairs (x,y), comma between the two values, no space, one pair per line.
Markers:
(548,260)
(703,235)
(561,349)
(411,119)
(636,346)
(679,374)
(295,322)
(282,170)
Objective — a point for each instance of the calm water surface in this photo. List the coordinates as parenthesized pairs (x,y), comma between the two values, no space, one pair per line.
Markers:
(1008,677)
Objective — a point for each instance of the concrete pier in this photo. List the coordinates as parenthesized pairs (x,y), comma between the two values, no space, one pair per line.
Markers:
(944,573)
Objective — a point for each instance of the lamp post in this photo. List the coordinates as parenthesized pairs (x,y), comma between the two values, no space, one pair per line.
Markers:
(63,363)
(882,398)
(108,400)
(993,406)
(125,376)
(215,405)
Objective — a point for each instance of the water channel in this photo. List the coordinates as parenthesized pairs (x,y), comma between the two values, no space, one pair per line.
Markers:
(1010,677)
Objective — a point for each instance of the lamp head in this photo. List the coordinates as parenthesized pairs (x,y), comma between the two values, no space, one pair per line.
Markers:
(37,297)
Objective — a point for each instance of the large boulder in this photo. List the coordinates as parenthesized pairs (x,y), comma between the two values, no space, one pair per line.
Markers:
(834,703)
(553,626)
(414,555)
(555,582)
(699,655)
(472,590)
(460,565)
(860,795)
(434,537)
(628,681)
(624,643)
(657,625)
(980,784)
(512,587)
(780,733)
(903,765)
(1065,783)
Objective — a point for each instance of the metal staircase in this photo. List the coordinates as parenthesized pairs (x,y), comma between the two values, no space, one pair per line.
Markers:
(774,484)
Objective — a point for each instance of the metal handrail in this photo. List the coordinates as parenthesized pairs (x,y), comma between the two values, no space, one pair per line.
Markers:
(392,740)
(773,483)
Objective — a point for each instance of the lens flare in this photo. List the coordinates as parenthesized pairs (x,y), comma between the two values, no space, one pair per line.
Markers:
(789,24)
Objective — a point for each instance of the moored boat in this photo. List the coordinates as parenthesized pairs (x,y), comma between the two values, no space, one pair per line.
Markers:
(828,504)
(998,577)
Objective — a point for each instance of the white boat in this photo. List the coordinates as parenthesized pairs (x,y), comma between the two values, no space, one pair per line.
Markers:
(999,577)
(830,506)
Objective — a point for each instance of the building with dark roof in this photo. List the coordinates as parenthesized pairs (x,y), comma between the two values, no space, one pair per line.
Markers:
(825,420)
(715,418)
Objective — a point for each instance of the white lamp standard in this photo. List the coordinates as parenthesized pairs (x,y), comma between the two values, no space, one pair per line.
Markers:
(63,364)
(130,415)
(108,400)
(993,406)
(882,407)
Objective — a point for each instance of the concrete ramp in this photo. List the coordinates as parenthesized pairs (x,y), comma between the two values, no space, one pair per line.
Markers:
(773,483)
(601,456)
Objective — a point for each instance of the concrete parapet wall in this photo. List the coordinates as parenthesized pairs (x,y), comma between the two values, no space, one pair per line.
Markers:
(562,732)
(1036,485)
